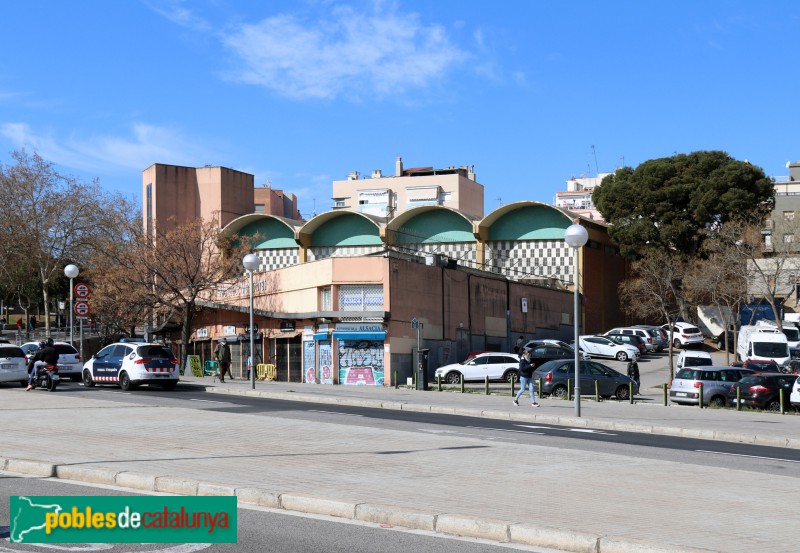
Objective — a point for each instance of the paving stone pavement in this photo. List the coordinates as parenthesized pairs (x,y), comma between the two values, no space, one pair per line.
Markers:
(464,484)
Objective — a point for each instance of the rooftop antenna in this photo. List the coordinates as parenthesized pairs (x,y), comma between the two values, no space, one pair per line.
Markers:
(314,213)
(596,170)
(499,200)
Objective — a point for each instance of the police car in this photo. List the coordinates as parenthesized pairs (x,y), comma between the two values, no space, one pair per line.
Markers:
(129,364)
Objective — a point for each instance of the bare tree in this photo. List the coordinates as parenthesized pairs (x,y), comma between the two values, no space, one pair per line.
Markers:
(652,290)
(168,271)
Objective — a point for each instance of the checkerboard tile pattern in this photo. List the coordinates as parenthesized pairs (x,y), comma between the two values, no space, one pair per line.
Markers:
(530,258)
(323,252)
(276,258)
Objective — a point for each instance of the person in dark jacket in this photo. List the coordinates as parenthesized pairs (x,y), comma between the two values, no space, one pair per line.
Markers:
(633,372)
(47,355)
(526,377)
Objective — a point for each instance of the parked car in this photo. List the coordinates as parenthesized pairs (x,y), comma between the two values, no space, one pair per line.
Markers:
(69,360)
(794,397)
(693,358)
(13,367)
(647,338)
(762,391)
(600,346)
(630,339)
(762,366)
(716,382)
(131,364)
(555,374)
(719,341)
(659,337)
(683,335)
(497,366)
(549,341)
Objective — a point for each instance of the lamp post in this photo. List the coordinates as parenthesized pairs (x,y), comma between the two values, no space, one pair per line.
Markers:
(250,263)
(71,271)
(576,237)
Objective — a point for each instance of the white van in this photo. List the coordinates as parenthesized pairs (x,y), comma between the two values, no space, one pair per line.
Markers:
(763,343)
(789,328)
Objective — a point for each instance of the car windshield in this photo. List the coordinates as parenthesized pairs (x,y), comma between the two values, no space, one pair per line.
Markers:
(770,349)
(697,362)
(752,380)
(65,349)
(792,333)
(154,351)
(691,330)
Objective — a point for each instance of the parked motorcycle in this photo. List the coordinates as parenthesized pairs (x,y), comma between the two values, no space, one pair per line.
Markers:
(46,378)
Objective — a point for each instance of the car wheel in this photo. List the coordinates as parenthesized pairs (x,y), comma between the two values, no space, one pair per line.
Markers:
(511,376)
(125,381)
(87,378)
(773,405)
(50,384)
(559,392)
(676,344)
(717,401)
(623,393)
(622,356)
(453,378)
(169,386)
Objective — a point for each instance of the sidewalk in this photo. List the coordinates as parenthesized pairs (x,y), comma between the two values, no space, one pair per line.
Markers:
(450,482)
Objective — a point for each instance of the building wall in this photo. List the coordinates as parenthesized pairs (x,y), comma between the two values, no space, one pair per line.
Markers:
(276,202)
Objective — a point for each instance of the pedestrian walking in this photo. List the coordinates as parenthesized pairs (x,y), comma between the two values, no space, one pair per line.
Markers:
(518,344)
(222,353)
(526,378)
(19,324)
(633,372)
(33,322)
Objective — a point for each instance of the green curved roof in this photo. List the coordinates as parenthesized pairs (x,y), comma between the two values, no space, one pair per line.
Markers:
(347,230)
(272,233)
(535,222)
(435,226)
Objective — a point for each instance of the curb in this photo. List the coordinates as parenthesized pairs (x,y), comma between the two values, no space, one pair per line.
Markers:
(446,523)
(642,428)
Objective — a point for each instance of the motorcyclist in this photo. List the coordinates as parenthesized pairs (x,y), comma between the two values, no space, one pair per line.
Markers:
(47,355)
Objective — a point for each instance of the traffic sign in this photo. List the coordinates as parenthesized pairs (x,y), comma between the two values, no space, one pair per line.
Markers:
(81,308)
(82,290)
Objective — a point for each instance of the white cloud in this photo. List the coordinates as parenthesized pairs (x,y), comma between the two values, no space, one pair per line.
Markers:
(343,53)
(174,11)
(146,145)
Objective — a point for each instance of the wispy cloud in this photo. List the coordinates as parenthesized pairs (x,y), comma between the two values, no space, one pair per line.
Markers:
(344,52)
(174,11)
(145,145)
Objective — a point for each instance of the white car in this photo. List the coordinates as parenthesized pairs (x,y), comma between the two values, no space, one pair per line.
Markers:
(600,346)
(69,360)
(683,334)
(497,366)
(693,358)
(794,397)
(128,364)
(13,367)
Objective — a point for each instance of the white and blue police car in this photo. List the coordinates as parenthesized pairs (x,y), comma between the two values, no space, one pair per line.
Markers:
(129,364)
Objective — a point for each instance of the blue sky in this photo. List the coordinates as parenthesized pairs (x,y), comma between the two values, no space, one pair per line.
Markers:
(301,93)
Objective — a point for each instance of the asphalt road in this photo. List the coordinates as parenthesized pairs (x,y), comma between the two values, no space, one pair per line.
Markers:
(259,531)
(728,455)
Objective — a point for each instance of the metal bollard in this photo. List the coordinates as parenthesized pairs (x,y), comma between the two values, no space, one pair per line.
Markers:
(396,383)
(630,392)
(780,396)
(439,382)
(569,390)
(700,397)
(413,380)
(738,398)
(540,386)
(486,384)
(462,383)
(597,391)
(513,392)
(665,395)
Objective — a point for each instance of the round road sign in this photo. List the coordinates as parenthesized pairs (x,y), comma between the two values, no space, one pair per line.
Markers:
(81,308)
(82,290)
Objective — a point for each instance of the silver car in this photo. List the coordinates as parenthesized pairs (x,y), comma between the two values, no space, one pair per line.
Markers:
(717,382)
(555,374)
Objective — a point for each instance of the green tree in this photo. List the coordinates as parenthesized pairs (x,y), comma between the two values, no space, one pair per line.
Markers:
(672,203)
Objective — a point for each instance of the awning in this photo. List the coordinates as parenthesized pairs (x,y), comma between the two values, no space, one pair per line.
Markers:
(287,334)
(353,335)
(321,336)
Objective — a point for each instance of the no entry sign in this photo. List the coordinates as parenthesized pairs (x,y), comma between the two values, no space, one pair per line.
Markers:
(82,308)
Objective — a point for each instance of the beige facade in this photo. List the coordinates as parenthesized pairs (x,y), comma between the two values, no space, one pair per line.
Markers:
(387,196)
(275,202)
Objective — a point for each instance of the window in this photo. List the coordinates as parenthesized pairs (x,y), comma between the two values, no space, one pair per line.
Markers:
(788,215)
(788,238)
(360,298)
(259,208)
(325,299)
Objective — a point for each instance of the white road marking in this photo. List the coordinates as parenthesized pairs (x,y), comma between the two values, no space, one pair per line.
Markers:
(749,456)
(211,401)
(505,429)
(334,413)
(585,430)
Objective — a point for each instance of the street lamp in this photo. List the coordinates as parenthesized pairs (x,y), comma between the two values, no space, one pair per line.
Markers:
(250,263)
(576,237)
(71,271)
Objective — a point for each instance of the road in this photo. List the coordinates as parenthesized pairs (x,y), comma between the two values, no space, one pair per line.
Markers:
(260,530)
